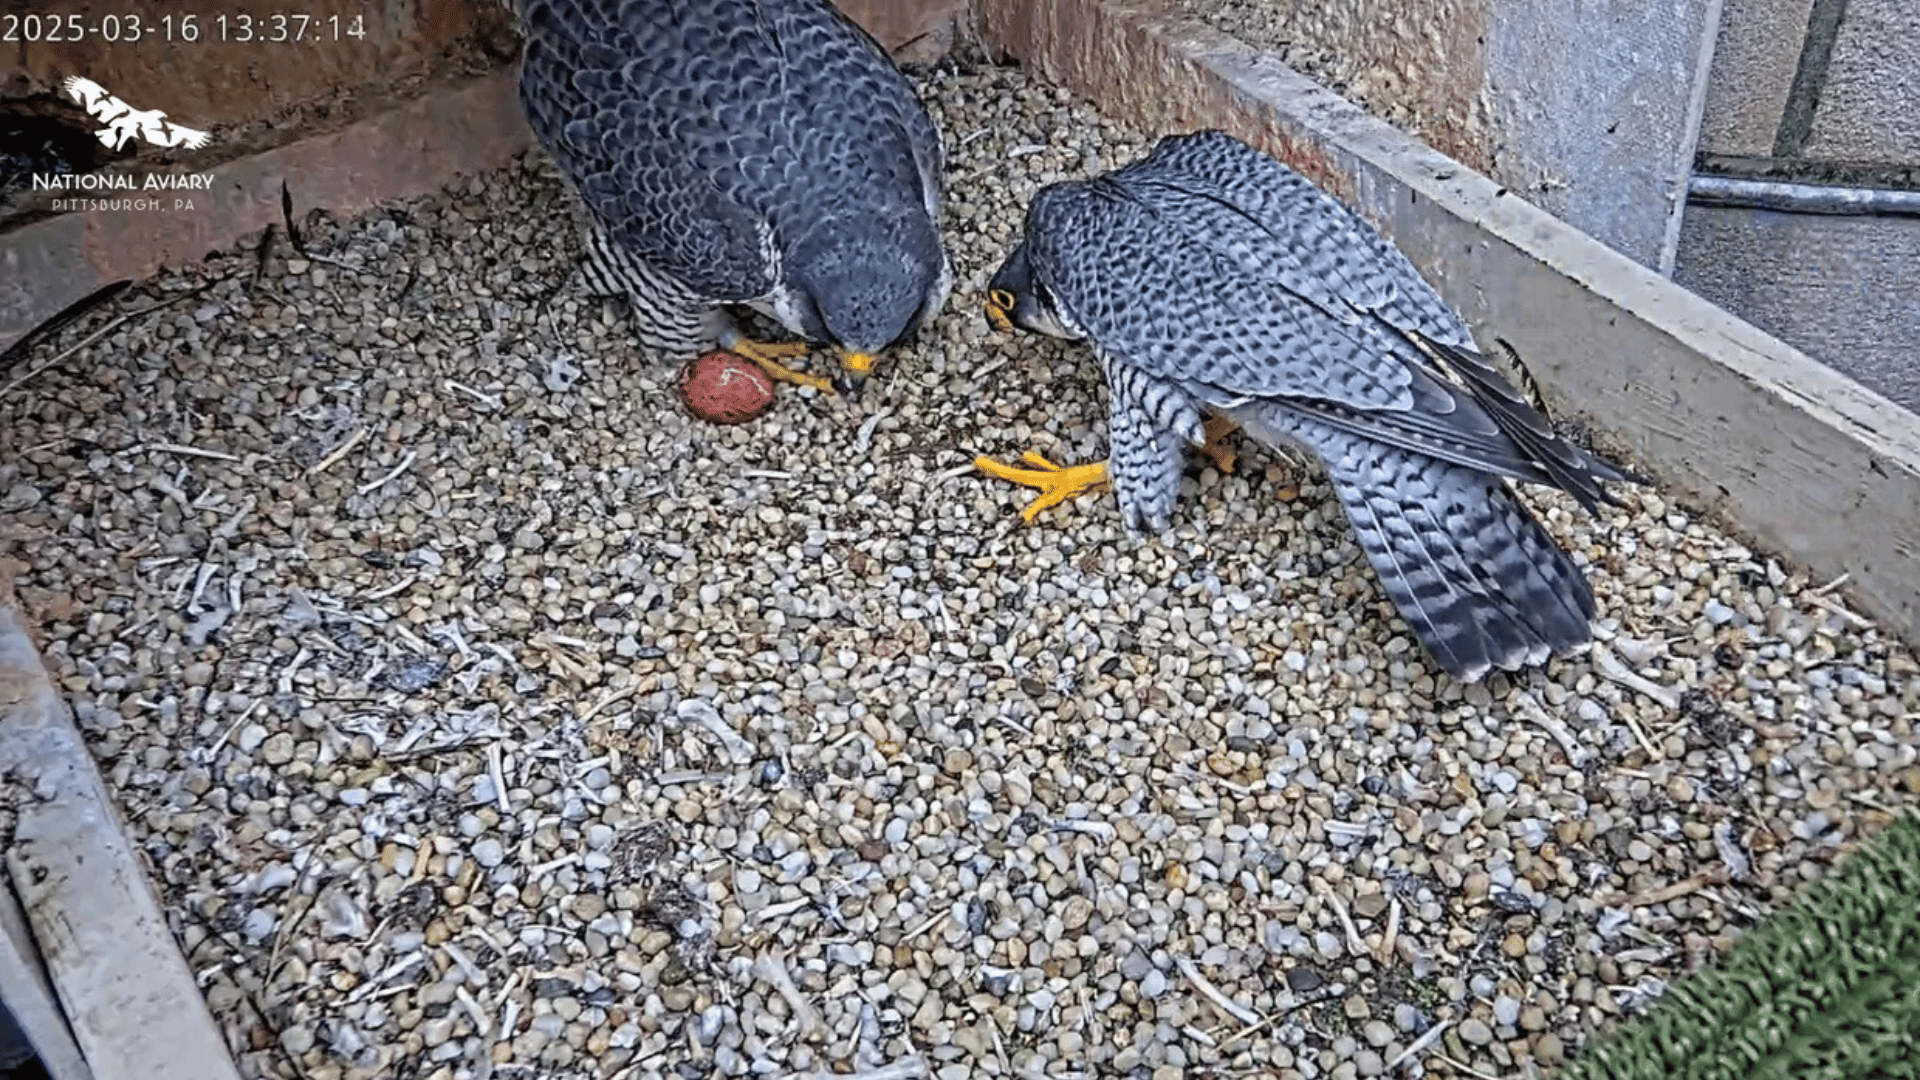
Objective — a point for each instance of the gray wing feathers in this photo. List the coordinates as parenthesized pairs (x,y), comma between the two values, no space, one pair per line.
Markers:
(1291,229)
(1272,222)
(878,136)
(1311,305)
(698,129)
(635,124)
(1182,311)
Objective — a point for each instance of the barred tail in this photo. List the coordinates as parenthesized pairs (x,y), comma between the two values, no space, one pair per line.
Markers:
(1477,579)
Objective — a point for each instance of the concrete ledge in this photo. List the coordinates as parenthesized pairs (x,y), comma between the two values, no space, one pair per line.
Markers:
(414,150)
(135,1010)
(1801,460)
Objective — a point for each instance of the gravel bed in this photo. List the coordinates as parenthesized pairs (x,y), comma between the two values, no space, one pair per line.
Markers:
(482,715)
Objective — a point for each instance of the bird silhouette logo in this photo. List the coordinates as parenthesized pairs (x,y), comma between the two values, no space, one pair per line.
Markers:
(124,122)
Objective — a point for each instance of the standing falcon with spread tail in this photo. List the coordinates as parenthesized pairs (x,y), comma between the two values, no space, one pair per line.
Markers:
(1220,289)
(761,153)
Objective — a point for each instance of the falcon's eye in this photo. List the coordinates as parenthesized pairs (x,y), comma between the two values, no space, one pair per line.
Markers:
(1001,299)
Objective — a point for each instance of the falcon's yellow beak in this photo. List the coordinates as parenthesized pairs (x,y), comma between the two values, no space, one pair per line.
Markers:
(854,369)
(1000,310)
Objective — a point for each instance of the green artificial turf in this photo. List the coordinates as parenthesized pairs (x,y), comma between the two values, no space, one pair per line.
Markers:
(1828,989)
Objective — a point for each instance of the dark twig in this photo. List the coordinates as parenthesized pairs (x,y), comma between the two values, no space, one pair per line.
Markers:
(100,333)
(286,215)
(67,315)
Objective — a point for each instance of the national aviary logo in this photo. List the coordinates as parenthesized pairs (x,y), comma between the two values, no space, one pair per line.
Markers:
(125,123)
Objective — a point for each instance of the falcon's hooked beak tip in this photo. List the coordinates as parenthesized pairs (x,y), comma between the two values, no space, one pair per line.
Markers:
(854,369)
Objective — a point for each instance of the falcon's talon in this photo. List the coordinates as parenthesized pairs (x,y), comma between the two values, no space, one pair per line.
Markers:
(1057,483)
(771,350)
(768,355)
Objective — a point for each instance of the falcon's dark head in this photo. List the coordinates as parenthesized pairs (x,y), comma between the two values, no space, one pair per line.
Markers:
(867,293)
(1015,297)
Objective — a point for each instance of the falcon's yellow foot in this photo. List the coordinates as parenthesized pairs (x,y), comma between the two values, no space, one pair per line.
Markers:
(768,355)
(1217,428)
(1057,483)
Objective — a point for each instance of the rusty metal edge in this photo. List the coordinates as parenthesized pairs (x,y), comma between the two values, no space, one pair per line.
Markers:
(1775,446)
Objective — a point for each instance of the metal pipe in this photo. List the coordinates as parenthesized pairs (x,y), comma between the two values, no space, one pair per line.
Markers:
(1801,198)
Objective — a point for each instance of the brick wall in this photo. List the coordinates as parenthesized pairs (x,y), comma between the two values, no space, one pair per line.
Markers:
(1816,92)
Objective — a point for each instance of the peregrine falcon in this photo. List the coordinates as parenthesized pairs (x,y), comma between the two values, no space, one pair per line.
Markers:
(1219,289)
(760,153)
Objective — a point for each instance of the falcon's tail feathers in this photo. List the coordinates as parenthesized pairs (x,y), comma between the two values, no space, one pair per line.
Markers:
(1577,473)
(1477,579)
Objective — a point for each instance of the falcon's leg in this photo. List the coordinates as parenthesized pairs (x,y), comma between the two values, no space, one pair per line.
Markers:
(1217,429)
(768,355)
(674,319)
(1057,483)
(1224,457)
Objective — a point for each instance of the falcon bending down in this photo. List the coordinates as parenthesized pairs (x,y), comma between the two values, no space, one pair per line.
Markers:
(1219,288)
(763,153)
